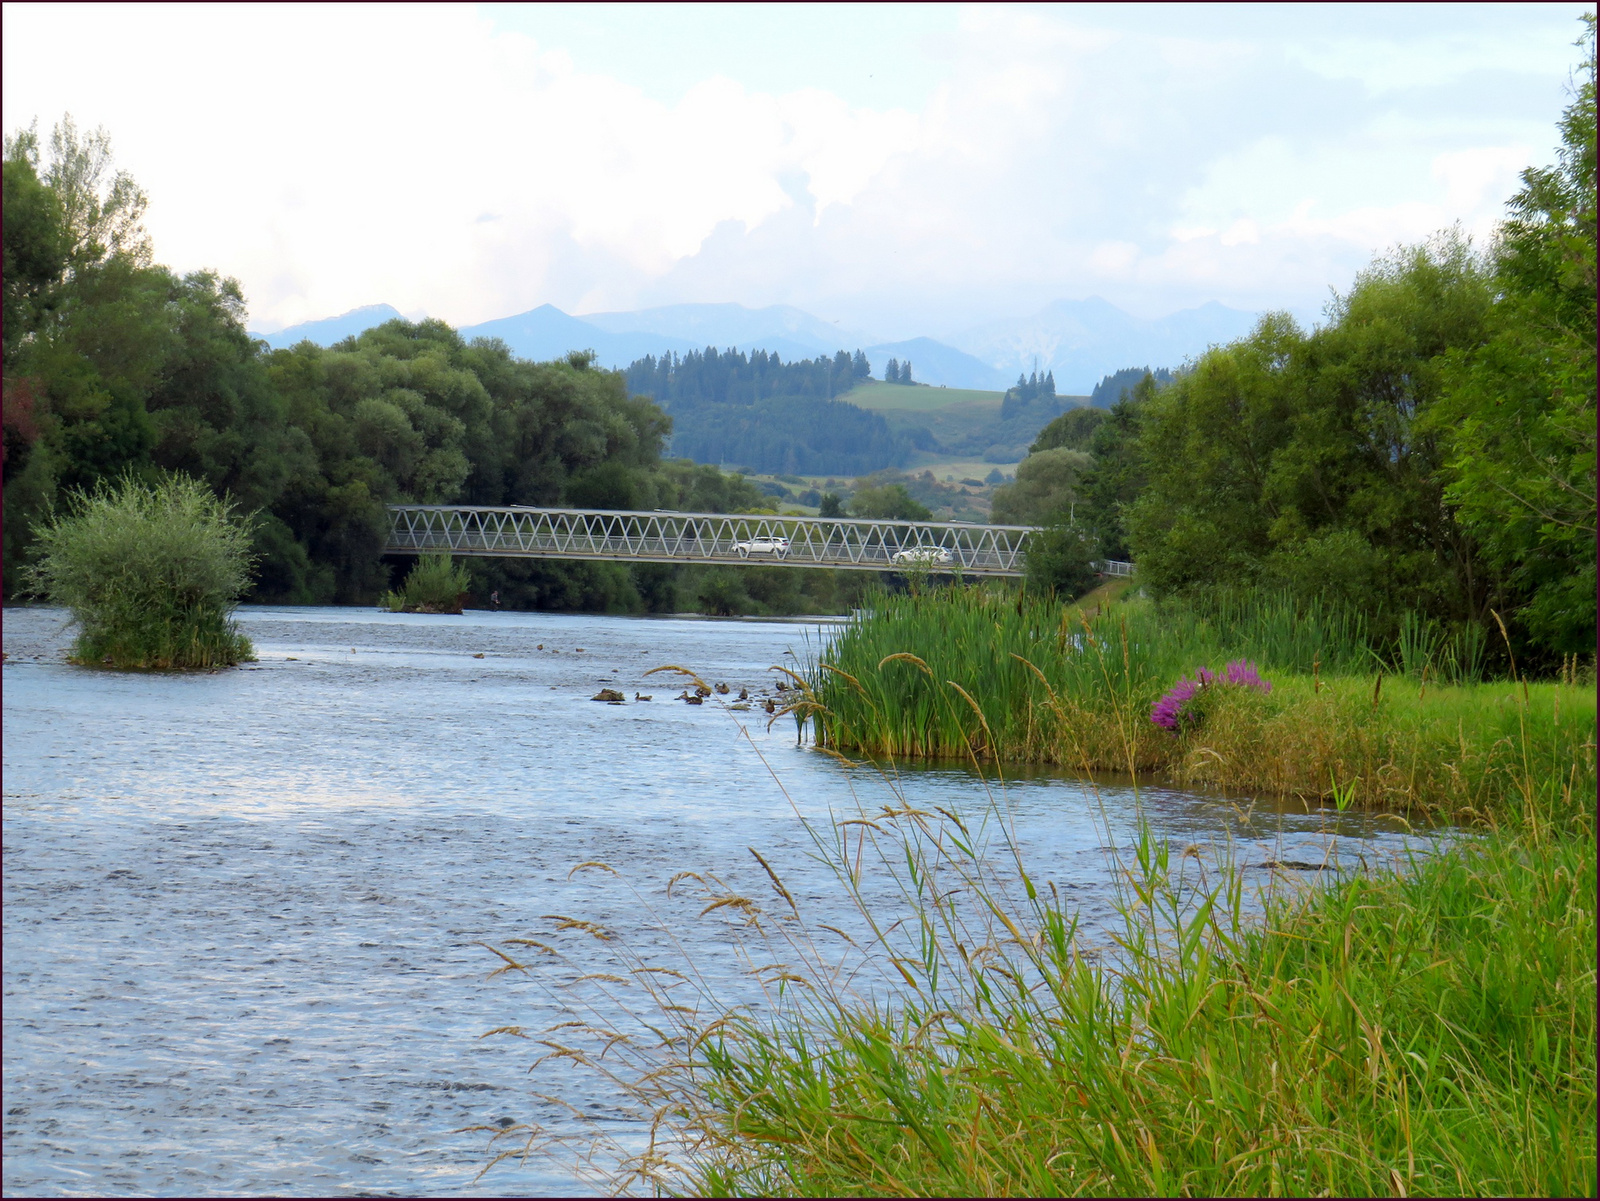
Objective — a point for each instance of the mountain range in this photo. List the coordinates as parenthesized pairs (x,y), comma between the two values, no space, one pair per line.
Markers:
(1081,341)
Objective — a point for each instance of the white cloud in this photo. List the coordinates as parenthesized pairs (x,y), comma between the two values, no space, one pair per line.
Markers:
(333,156)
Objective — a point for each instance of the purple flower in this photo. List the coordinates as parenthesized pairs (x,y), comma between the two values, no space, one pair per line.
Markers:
(1172,710)
(1244,673)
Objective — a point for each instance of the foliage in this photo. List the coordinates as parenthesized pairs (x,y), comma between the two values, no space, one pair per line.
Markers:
(1307,460)
(151,573)
(1119,385)
(1073,430)
(436,584)
(1045,490)
(771,416)
(888,502)
(114,365)
(1117,475)
(1029,390)
(1058,561)
(1519,408)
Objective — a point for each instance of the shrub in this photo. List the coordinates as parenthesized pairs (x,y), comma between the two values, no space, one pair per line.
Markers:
(151,572)
(1059,562)
(435,585)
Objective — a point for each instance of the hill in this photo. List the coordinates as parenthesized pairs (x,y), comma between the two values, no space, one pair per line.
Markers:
(329,330)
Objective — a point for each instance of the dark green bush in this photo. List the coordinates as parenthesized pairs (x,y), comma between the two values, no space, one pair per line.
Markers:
(435,585)
(151,572)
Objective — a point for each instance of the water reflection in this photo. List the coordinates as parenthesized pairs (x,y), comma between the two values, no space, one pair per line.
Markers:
(243,909)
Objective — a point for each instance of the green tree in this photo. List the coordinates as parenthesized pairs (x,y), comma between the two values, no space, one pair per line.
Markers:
(1116,477)
(36,248)
(1073,429)
(1519,409)
(888,502)
(1058,561)
(1045,490)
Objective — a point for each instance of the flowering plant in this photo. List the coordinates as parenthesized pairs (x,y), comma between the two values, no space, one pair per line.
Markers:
(1177,708)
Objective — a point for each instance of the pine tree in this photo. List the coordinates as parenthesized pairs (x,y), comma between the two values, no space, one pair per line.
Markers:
(891,373)
(905,373)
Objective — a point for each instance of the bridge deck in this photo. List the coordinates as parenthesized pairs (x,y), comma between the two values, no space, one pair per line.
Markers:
(658,537)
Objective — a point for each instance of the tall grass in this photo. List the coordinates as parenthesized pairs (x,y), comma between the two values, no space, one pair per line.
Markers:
(435,584)
(151,572)
(1424,1031)
(970,674)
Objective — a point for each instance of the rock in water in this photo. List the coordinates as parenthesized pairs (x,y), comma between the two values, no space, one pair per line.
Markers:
(610,695)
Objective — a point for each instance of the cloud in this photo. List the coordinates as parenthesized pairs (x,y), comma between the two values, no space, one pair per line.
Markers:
(332,156)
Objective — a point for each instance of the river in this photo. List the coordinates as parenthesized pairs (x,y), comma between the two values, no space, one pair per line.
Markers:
(243,910)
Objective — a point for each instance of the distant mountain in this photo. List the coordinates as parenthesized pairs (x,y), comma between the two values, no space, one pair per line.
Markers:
(548,333)
(723,325)
(331,329)
(935,363)
(1083,340)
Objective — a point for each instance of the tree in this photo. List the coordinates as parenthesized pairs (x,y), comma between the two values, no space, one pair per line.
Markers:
(1518,411)
(905,373)
(888,502)
(1058,561)
(891,373)
(1310,460)
(1117,476)
(36,249)
(1073,429)
(1045,489)
(830,505)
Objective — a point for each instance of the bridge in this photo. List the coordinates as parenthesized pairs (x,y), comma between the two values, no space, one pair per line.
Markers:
(661,537)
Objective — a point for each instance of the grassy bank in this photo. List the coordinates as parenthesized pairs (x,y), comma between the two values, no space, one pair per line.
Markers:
(1428,1030)
(971,675)
(1429,1033)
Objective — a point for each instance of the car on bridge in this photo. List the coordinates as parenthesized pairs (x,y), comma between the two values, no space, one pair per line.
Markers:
(777,547)
(922,556)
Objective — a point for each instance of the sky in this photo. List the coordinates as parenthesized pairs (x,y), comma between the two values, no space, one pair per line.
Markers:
(907,170)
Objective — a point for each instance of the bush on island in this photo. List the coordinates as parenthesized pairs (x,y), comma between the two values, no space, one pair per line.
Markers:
(435,585)
(151,571)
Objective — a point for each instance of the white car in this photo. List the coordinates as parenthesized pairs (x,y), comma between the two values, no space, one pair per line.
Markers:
(922,556)
(777,547)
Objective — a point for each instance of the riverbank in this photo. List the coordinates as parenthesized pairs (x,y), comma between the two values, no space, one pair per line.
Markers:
(962,677)
(1421,1030)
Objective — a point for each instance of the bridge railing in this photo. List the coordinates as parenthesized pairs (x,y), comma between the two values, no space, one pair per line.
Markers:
(662,537)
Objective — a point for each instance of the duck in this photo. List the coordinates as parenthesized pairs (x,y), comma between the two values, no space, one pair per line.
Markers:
(722,690)
(639,697)
(744,694)
(769,706)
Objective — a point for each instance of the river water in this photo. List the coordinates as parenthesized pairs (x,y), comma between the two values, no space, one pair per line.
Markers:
(244,910)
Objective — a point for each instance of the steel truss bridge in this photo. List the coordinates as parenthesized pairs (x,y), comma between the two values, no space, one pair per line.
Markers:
(660,537)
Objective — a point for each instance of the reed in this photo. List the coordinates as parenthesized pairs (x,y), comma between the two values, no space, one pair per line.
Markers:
(969,674)
(151,572)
